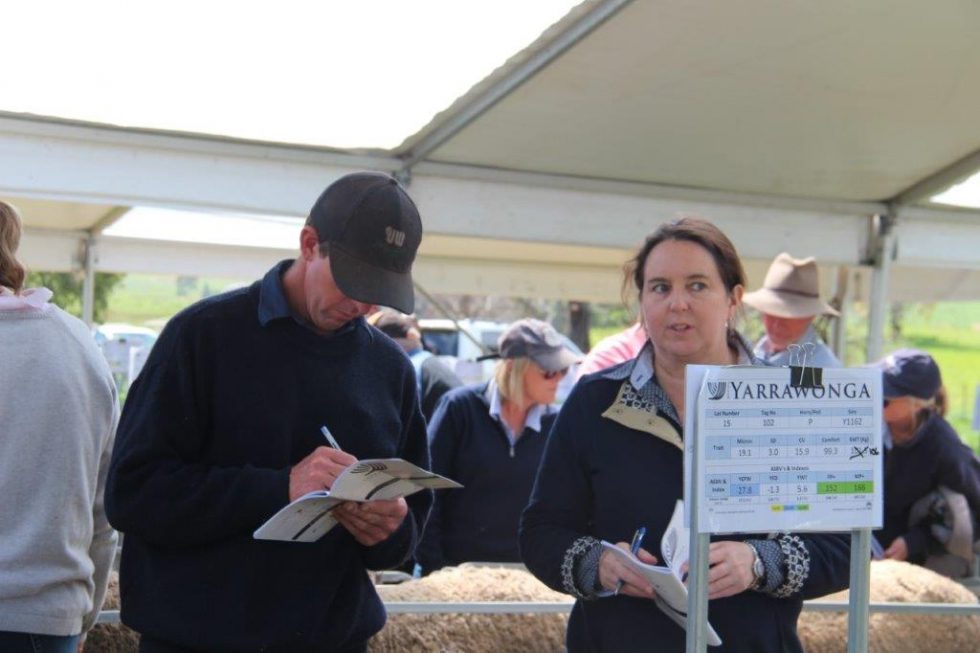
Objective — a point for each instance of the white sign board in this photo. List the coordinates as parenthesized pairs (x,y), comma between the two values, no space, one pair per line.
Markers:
(774,457)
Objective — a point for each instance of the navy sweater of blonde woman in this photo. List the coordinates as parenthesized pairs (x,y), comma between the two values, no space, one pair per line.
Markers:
(233,395)
(613,463)
(479,522)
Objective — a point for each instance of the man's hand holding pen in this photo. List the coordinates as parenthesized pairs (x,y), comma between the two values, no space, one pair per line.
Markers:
(370,522)
(318,471)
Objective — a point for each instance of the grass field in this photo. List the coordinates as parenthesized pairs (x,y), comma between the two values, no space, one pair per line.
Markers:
(951,333)
(149,300)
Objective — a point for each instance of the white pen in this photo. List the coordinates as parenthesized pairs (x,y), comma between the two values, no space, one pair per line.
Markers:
(330,439)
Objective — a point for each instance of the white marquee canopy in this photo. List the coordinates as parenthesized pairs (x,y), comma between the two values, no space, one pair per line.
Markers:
(815,128)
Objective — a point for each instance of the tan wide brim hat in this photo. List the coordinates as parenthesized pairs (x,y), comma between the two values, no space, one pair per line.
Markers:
(791,289)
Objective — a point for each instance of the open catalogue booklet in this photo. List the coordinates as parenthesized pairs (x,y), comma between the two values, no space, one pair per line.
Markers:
(667,581)
(309,517)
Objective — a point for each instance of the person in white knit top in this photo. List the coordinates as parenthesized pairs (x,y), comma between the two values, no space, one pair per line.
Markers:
(58,415)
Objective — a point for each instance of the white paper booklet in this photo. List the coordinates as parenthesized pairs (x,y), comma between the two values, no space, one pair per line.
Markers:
(309,517)
(667,580)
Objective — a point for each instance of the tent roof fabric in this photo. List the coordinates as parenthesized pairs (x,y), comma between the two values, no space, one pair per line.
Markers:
(833,100)
(788,124)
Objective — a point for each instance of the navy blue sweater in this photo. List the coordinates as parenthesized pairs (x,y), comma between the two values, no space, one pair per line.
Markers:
(934,457)
(225,406)
(603,479)
(478,522)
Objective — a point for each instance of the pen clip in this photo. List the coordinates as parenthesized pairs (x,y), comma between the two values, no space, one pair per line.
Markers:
(637,539)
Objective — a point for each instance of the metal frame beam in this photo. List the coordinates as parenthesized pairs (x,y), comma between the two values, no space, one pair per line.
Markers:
(653,190)
(939,181)
(112,216)
(99,164)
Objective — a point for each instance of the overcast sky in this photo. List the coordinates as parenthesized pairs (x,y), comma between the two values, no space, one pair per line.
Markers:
(341,73)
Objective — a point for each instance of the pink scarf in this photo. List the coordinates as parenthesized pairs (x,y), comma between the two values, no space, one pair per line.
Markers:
(32,299)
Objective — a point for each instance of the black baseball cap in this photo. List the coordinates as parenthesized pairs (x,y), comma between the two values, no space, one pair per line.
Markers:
(373,231)
(909,372)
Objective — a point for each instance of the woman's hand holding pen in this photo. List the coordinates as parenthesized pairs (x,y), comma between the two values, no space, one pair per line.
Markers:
(612,572)
(729,568)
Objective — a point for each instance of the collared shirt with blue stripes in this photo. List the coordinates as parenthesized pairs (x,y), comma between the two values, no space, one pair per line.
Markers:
(646,392)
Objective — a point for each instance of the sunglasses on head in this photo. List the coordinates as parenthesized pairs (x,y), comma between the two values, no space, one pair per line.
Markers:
(550,375)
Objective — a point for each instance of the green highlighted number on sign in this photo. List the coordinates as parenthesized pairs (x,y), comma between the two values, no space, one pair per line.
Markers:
(845,487)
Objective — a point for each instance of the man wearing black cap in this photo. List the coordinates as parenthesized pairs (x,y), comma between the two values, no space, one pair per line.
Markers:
(224,427)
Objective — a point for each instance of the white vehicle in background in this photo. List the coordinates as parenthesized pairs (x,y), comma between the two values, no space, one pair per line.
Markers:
(460,343)
(459,350)
(136,336)
(126,348)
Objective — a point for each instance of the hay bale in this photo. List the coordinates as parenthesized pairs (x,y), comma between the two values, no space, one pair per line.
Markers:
(472,633)
(899,582)
(449,633)
(112,638)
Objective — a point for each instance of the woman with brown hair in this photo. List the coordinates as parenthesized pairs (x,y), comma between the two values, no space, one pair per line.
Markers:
(614,462)
(12,272)
(58,416)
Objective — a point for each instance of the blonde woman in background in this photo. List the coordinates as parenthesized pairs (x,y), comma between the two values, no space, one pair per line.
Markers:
(490,438)
(58,415)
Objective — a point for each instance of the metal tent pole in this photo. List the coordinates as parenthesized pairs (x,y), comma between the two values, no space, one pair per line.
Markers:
(883,246)
(860,591)
(88,284)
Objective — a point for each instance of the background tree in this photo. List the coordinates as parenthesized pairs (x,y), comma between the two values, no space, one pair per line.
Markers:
(67,289)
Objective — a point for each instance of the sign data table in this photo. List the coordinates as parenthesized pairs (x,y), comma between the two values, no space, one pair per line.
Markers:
(773,457)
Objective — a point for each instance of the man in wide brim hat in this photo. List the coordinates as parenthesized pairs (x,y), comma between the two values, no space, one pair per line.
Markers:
(789,301)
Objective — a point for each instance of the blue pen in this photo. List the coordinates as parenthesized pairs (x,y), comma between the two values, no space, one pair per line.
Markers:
(634,549)
(330,439)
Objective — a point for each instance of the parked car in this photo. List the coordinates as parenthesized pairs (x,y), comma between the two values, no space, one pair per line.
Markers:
(125,348)
(460,350)
(135,336)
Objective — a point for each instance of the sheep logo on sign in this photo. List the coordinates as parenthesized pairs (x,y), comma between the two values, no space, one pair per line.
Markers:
(716,389)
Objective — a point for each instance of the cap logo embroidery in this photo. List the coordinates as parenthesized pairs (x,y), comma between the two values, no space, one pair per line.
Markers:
(394,236)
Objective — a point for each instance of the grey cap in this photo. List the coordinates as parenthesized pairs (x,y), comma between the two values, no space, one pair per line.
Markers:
(538,341)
